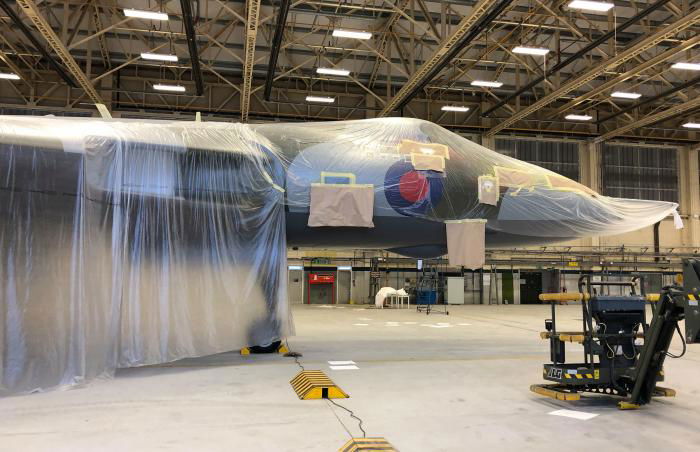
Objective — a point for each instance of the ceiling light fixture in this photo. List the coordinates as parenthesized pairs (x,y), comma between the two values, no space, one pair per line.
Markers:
(454,108)
(540,51)
(579,117)
(591,6)
(686,66)
(325,100)
(158,57)
(352,34)
(487,84)
(174,88)
(624,95)
(9,76)
(332,71)
(141,14)
(691,125)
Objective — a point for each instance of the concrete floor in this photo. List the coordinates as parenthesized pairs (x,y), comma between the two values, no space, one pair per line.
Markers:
(424,388)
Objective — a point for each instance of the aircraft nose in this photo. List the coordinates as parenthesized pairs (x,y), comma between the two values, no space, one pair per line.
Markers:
(555,213)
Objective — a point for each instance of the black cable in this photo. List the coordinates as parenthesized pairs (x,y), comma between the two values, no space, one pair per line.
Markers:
(352,415)
(295,355)
(671,355)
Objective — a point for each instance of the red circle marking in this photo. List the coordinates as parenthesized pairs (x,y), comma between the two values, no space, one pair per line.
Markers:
(413,186)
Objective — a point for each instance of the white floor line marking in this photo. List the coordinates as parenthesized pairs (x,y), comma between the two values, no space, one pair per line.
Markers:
(434,326)
(359,309)
(580,415)
(344,367)
(464,324)
(341,363)
(360,324)
(363,318)
(410,323)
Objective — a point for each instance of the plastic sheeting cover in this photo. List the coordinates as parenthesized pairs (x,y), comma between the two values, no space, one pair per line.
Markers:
(137,242)
(126,243)
(534,205)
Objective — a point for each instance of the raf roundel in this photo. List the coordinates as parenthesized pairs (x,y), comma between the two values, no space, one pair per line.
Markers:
(412,192)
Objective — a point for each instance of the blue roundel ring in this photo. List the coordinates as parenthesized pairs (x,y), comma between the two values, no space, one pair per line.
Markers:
(412,192)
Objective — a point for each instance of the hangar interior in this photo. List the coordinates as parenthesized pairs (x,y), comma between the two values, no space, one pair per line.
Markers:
(602,93)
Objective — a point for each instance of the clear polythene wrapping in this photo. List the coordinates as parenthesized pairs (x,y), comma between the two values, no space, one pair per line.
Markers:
(131,243)
(124,243)
(424,175)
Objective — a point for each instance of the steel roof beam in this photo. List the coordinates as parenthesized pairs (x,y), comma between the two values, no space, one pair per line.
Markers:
(675,89)
(191,34)
(650,63)
(275,47)
(470,27)
(562,64)
(251,33)
(648,120)
(598,70)
(32,12)
(37,45)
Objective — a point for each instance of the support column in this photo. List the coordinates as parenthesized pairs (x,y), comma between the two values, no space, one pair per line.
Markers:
(589,160)
(689,188)
(370,103)
(488,142)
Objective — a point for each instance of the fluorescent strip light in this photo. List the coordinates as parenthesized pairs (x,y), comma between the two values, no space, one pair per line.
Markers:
(686,66)
(158,57)
(454,108)
(10,76)
(140,14)
(531,50)
(344,267)
(691,125)
(176,88)
(352,34)
(624,95)
(591,6)
(295,267)
(326,100)
(331,71)
(579,117)
(487,84)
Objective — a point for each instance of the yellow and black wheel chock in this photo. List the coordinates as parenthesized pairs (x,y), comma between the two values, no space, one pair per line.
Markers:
(367,444)
(314,384)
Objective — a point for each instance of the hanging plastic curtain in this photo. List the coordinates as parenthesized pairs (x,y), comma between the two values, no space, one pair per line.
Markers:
(125,244)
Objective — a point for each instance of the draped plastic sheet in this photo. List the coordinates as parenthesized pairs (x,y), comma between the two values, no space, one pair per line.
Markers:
(139,244)
(533,206)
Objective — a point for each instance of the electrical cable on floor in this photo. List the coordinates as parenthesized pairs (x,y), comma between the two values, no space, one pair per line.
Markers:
(296,356)
(352,415)
(341,422)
